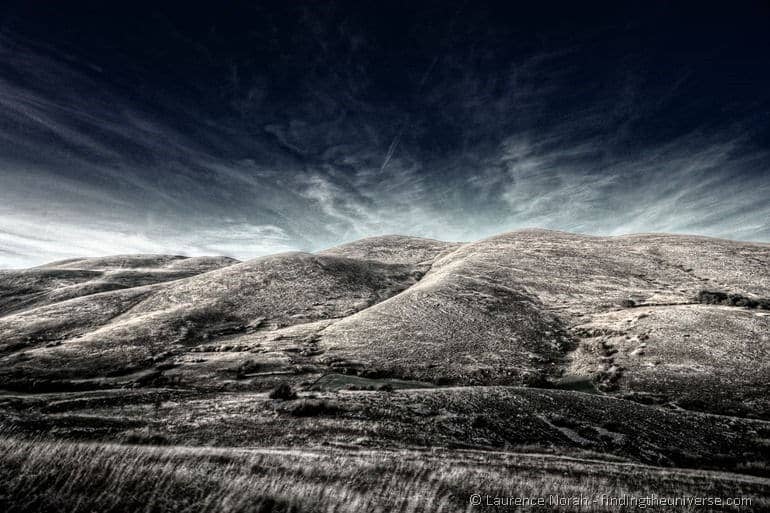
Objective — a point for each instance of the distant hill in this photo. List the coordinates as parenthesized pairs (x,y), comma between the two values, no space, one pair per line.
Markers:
(677,321)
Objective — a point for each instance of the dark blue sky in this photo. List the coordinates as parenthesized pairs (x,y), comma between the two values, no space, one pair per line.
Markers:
(246,128)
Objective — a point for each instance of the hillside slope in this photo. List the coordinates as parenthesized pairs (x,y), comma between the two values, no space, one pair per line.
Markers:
(660,319)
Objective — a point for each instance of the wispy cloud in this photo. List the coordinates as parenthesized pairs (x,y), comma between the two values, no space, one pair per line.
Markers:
(87,169)
(693,184)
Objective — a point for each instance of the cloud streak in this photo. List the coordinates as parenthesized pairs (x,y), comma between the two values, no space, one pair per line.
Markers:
(347,147)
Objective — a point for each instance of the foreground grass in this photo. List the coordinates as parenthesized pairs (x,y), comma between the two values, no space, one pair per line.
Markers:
(503,418)
(80,477)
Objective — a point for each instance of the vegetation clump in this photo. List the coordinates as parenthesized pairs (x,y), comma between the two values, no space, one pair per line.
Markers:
(312,407)
(143,436)
(283,392)
(710,297)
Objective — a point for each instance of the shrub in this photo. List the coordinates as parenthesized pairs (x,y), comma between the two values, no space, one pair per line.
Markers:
(245,368)
(481,422)
(312,407)
(143,436)
(535,379)
(711,297)
(283,392)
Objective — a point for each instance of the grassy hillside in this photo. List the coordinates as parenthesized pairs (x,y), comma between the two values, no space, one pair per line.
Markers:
(565,422)
(519,308)
(44,476)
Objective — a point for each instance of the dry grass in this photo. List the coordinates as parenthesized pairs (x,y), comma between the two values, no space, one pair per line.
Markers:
(58,476)
(557,421)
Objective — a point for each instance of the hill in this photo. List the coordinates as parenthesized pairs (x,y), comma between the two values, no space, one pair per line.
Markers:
(532,307)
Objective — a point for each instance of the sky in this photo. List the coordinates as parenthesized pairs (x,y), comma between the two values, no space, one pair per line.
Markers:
(250,128)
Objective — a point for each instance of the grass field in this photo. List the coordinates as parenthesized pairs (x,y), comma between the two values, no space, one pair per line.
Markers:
(78,477)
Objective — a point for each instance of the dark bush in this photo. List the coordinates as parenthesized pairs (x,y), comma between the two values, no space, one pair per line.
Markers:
(535,379)
(311,408)
(246,367)
(143,436)
(481,422)
(283,392)
(712,297)
(708,297)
